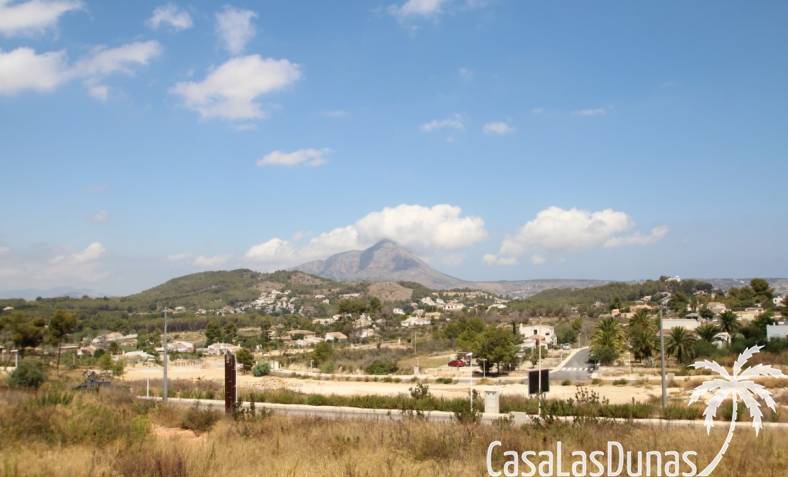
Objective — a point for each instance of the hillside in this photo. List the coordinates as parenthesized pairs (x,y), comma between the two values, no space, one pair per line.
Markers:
(219,288)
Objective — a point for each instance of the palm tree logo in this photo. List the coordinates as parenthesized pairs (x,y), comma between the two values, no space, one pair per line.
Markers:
(739,385)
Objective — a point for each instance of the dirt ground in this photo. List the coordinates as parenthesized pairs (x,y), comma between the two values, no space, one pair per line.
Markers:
(213,369)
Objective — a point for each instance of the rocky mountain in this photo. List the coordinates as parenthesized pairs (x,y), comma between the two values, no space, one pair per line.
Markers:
(384,261)
(390,262)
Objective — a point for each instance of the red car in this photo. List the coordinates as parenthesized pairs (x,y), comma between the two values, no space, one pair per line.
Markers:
(457,363)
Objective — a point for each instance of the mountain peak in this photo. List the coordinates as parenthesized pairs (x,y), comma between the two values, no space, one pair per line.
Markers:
(384,261)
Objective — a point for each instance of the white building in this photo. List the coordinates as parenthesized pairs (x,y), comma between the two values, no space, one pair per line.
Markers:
(221,348)
(335,336)
(415,321)
(688,324)
(774,332)
(545,334)
(453,306)
(398,311)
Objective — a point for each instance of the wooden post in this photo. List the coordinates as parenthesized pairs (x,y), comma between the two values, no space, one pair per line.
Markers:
(229,383)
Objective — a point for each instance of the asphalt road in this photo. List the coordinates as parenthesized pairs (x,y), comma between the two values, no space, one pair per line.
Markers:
(576,369)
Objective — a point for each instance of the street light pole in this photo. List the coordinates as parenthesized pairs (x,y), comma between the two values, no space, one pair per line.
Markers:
(164,340)
(662,361)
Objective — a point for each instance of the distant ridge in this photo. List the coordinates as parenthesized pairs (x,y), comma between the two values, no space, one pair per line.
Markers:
(388,261)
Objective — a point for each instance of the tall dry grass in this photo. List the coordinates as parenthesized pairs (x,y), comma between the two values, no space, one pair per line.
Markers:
(111,435)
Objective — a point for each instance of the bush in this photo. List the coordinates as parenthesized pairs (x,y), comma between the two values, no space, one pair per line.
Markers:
(29,374)
(620,382)
(382,367)
(261,369)
(198,419)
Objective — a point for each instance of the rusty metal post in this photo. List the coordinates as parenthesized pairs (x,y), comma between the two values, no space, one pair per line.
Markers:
(229,383)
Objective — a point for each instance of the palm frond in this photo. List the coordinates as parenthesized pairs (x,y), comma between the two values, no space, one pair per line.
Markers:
(711,366)
(744,357)
(761,370)
(760,391)
(752,408)
(712,406)
(708,386)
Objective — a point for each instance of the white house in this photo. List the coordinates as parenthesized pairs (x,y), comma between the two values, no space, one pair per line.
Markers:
(335,336)
(180,347)
(453,306)
(716,307)
(545,334)
(415,321)
(137,356)
(688,324)
(749,314)
(398,311)
(221,348)
(774,332)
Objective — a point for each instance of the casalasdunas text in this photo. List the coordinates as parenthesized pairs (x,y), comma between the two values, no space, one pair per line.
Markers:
(614,461)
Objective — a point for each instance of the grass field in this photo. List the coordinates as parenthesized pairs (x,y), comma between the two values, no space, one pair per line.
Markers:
(58,433)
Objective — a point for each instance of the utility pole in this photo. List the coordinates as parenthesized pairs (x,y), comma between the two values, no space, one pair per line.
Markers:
(539,371)
(164,343)
(471,381)
(662,362)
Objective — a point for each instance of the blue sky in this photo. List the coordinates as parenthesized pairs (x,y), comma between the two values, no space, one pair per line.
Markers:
(497,139)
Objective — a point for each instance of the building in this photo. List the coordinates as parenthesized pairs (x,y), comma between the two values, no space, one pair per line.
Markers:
(218,349)
(366,333)
(336,336)
(398,311)
(415,321)
(716,307)
(544,334)
(180,347)
(774,332)
(137,356)
(749,314)
(688,324)
(453,306)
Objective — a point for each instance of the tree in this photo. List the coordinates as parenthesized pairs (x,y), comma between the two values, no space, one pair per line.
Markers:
(245,358)
(213,332)
(607,343)
(566,332)
(261,369)
(642,334)
(61,324)
(706,313)
(497,346)
(679,344)
(27,333)
(707,332)
(322,353)
(729,322)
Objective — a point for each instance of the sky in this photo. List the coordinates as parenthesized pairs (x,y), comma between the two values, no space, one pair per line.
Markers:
(497,139)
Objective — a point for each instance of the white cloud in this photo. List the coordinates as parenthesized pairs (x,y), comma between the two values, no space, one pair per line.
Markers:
(418,8)
(35,16)
(499,128)
(215,261)
(590,112)
(170,14)
(100,217)
(98,91)
(312,157)
(24,69)
(453,122)
(235,28)
(231,90)
(38,270)
(427,230)
(565,230)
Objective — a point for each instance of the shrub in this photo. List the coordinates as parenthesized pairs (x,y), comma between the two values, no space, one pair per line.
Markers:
(620,382)
(261,369)
(382,367)
(198,419)
(29,374)
(566,382)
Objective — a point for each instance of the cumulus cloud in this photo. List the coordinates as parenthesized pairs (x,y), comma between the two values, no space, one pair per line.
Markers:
(452,122)
(418,8)
(215,261)
(35,16)
(235,29)
(498,128)
(568,230)
(231,91)
(169,14)
(435,229)
(311,157)
(23,69)
(41,267)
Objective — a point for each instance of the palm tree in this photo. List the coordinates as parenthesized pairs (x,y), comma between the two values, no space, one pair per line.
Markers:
(729,322)
(608,340)
(739,384)
(707,332)
(679,344)
(642,333)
